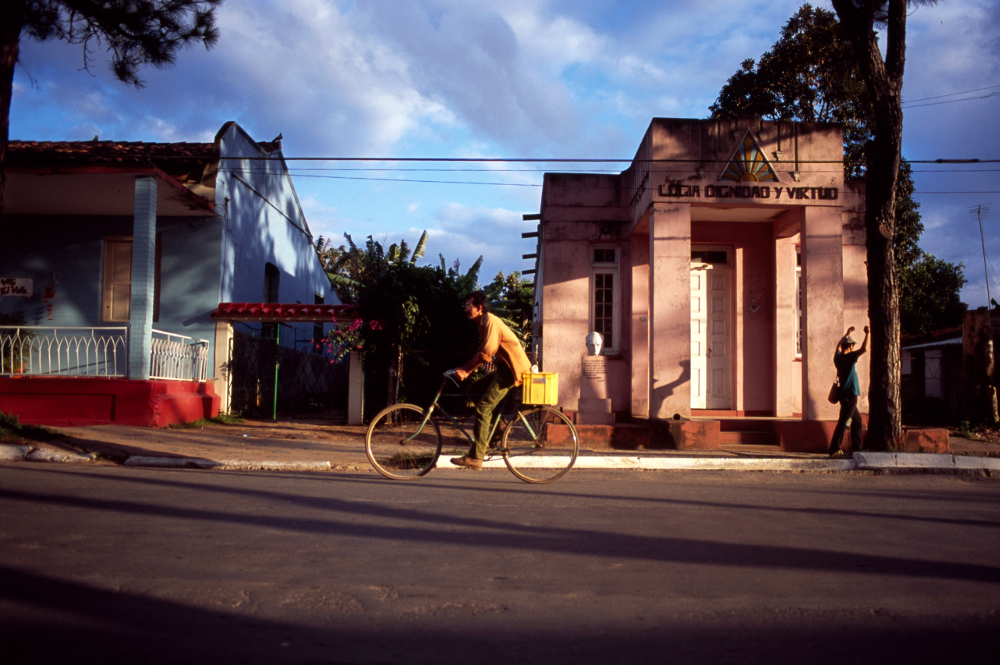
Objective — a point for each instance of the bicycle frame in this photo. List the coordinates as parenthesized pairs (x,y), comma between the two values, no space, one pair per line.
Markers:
(434,406)
(401,445)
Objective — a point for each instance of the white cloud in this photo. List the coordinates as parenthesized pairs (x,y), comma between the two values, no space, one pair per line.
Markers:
(546,78)
(465,233)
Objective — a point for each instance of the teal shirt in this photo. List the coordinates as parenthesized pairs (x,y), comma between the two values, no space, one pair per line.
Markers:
(847,372)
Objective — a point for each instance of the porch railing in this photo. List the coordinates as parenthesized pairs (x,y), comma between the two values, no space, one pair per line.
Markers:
(178,357)
(69,351)
(102,351)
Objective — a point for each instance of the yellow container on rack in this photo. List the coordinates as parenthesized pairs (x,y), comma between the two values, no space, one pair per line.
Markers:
(540,387)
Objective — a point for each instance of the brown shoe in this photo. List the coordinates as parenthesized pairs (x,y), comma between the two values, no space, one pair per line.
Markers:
(466,461)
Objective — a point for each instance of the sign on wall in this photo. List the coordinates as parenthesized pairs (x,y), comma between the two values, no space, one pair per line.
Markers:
(16,286)
(748,163)
(747,172)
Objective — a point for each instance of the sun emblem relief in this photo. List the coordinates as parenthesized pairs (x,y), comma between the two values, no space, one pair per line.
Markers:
(748,163)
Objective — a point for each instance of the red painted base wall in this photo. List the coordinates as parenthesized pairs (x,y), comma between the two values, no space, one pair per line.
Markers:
(70,401)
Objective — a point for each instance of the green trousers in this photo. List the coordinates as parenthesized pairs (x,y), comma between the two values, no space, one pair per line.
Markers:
(501,384)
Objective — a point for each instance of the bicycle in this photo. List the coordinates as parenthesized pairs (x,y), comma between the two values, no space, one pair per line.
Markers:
(403,441)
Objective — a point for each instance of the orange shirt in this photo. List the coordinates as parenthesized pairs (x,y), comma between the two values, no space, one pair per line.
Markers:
(496,339)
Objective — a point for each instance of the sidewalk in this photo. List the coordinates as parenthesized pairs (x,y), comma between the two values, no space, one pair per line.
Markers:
(315,445)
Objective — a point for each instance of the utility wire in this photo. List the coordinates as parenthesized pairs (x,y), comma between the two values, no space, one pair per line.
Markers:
(951,94)
(572,160)
(909,102)
(950,101)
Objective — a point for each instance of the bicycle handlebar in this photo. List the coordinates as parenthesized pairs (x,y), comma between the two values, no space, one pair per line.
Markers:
(452,376)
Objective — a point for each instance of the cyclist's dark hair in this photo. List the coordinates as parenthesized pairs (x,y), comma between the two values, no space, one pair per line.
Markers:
(479,299)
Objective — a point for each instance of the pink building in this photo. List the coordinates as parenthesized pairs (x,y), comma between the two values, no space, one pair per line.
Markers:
(721,267)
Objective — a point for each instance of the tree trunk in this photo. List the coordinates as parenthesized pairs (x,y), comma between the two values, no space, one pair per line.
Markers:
(885,82)
(885,426)
(11,20)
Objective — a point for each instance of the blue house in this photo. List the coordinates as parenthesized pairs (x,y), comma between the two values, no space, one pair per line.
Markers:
(113,256)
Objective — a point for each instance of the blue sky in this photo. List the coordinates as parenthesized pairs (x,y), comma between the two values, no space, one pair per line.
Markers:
(508,78)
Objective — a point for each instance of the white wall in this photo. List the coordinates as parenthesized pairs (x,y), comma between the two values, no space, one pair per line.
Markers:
(264,223)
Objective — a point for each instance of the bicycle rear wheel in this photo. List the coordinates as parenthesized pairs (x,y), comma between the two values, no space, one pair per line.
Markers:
(540,445)
(398,447)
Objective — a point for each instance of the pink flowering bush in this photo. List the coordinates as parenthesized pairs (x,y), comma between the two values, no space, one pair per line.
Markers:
(343,340)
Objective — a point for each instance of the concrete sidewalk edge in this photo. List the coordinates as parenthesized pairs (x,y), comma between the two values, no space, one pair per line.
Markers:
(238,465)
(861,461)
(940,461)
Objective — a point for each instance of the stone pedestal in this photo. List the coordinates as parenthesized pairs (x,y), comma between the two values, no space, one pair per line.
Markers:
(594,406)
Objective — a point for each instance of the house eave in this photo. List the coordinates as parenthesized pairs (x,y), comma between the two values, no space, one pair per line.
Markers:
(96,190)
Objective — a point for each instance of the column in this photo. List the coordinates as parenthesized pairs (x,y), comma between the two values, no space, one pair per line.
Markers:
(823,311)
(786,327)
(143,275)
(356,390)
(223,379)
(640,325)
(670,311)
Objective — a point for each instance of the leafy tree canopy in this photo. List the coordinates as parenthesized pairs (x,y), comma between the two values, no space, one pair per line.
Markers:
(928,295)
(413,323)
(808,75)
(512,298)
(349,267)
(133,32)
(811,74)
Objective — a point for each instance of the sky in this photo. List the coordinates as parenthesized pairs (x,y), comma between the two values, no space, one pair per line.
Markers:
(542,79)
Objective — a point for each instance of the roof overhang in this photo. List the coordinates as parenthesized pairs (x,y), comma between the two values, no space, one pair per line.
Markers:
(284,313)
(96,190)
(930,345)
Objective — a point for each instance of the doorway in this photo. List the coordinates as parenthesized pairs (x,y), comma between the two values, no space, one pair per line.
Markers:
(711,327)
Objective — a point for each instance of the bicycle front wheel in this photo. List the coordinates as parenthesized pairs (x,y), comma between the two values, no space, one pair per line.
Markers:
(540,445)
(401,443)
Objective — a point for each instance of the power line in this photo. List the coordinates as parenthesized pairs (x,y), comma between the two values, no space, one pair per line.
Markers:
(950,101)
(432,182)
(576,160)
(950,94)
(520,184)
(302,171)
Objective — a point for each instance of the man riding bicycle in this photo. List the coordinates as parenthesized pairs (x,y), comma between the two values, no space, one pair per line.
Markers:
(497,343)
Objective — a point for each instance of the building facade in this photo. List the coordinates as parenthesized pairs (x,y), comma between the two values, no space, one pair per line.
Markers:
(114,251)
(721,268)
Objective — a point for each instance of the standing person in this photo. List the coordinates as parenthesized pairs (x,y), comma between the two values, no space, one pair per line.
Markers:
(499,341)
(845,359)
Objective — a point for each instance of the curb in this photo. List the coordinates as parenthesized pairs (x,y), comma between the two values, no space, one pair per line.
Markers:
(19,453)
(689,463)
(862,461)
(725,464)
(230,465)
(13,453)
(926,461)
(49,455)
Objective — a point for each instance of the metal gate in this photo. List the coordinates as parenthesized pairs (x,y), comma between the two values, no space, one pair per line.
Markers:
(306,382)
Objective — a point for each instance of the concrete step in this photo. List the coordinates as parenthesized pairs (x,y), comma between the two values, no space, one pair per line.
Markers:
(606,437)
(748,438)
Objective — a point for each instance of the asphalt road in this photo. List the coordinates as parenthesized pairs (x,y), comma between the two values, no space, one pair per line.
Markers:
(105,564)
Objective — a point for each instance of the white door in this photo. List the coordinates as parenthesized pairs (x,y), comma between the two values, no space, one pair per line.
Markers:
(710,336)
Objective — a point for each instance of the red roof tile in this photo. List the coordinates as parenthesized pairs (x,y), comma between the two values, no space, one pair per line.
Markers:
(244,311)
(187,161)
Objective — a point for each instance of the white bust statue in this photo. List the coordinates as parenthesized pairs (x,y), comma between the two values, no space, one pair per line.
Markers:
(595,342)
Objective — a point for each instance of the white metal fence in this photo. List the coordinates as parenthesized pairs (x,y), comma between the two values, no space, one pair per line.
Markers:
(178,357)
(72,351)
(63,351)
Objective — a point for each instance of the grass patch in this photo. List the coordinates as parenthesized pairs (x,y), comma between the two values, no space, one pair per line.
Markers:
(12,431)
(980,432)
(221,419)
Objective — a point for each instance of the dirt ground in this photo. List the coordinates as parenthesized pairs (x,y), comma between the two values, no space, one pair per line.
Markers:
(286,438)
(305,439)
